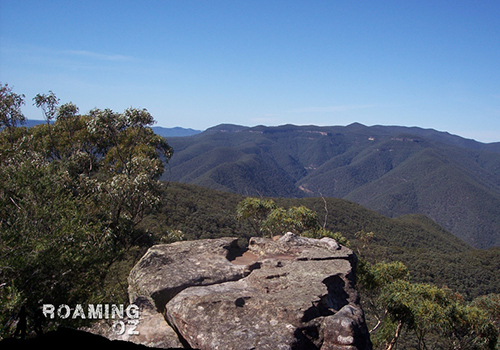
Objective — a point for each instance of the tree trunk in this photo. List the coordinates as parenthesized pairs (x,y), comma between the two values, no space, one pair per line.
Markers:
(396,336)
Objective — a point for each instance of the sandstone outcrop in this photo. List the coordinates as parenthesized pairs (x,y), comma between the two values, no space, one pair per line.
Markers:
(288,293)
(167,269)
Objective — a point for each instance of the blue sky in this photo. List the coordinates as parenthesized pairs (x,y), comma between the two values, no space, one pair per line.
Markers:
(433,64)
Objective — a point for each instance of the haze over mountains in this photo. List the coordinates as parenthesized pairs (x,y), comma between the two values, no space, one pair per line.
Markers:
(393,170)
(159,130)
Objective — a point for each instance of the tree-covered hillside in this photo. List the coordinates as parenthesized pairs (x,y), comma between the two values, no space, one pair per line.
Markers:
(432,254)
(393,170)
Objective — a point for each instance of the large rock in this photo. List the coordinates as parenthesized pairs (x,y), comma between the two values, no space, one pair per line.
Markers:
(289,293)
(167,269)
(346,330)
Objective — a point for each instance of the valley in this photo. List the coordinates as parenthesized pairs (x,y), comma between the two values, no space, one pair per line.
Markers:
(392,170)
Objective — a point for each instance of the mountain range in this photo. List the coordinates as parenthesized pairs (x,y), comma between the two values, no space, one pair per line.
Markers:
(390,169)
(175,131)
(159,130)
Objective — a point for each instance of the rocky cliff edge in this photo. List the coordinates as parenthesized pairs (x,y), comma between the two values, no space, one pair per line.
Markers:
(288,293)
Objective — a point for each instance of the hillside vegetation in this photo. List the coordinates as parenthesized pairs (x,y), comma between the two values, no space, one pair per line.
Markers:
(432,254)
(392,170)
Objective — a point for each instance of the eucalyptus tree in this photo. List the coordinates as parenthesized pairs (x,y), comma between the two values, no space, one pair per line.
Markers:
(72,192)
(10,111)
(10,107)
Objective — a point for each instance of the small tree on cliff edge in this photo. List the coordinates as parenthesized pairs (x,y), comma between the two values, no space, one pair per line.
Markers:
(267,218)
(255,211)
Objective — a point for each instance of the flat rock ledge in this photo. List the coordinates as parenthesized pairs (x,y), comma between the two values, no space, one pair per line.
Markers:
(286,293)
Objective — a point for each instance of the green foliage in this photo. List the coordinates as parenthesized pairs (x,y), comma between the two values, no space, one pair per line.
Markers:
(256,211)
(10,108)
(491,304)
(196,212)
(47,240)
(365,237)
(48,103)
(72,193)
(269,219)
(295,219)
(433,315)
(373,277)
(428,310)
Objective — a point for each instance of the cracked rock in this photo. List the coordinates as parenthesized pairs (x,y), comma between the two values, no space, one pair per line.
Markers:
(289,293)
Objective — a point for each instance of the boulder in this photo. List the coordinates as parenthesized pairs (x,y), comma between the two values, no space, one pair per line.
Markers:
(289,293)
(346,330)
(167,269)
(284,304)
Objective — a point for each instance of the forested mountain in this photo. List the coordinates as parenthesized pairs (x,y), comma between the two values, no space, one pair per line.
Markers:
(393,170)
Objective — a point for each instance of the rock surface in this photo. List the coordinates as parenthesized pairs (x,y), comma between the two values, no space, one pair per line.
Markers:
(289,293)
(153,331)
(167,269)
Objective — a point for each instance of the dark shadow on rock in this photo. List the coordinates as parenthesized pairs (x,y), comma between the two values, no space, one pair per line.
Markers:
(349,325)
(307,338)
(236,249)
(337,296)
(330,303)
(64,338)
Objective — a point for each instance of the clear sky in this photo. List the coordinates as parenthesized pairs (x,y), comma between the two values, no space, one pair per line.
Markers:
(433,64)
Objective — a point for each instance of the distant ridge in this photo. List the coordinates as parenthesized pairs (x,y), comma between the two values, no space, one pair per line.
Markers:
(159,130)
(391,169)
(175,131)
(32,122)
